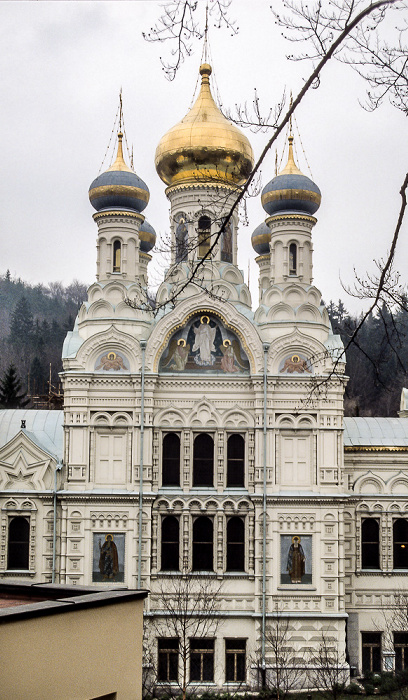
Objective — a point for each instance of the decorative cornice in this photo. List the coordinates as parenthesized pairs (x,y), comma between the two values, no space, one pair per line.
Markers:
(117,213)
(374,448)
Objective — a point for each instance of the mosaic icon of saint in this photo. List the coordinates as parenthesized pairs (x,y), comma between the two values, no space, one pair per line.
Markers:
(295,364)
(179,355)
(229,353)
(111,361)
(296,561)
(204,342)
(108,558)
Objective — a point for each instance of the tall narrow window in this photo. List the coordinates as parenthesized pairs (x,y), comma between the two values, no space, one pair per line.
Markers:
(170,544)
(18,543)
(235,662)
(236,461)
(201,659)
(293,259)
(401,650)
(203,460)
(171,460)
(116,256)
(371,647)
(168,659)
(235,544)
(400,535)
(204,235)
(370,544)
(203,538)
(226,244)
(181,241)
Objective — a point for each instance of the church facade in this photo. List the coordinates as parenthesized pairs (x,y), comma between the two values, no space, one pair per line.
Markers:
(206,440)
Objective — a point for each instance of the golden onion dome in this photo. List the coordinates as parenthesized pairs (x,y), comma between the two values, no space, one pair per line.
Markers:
(204,145)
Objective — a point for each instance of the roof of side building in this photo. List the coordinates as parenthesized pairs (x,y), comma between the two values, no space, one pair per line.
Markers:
(376,432)
(42,427)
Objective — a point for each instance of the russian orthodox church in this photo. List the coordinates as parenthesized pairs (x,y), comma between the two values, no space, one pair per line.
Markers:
(209,438)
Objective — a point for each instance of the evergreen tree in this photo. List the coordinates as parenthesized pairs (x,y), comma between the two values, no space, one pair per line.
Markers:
(38,377)
(21,326)
(11,395)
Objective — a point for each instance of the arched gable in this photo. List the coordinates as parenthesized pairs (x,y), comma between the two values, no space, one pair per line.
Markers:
(110,351)
(231,323)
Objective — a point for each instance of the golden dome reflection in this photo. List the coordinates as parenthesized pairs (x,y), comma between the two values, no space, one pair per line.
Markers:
(204,145)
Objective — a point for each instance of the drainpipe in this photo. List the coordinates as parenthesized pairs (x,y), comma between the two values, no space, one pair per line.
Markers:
(58,468)
(139,562)
(265,388)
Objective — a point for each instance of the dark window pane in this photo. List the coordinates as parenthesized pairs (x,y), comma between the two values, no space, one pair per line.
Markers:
(371,651)
(168,660)
(171,460)
(235,544)
(235,461)
(170,544)
(401,650)
(116,256)
(204,235)
(235,660)
(195,667)
(370,544)
(203,544)
(208,667)
(203,460)
(202,660)
(18,543)
(400,532)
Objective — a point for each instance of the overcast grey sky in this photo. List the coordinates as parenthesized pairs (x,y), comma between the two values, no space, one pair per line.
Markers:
(62,65)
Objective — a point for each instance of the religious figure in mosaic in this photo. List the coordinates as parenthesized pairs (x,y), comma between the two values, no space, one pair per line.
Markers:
(111,361)
(296,561)
(229,352)
(178,353)
(295,364)
(108,558)
(204,342)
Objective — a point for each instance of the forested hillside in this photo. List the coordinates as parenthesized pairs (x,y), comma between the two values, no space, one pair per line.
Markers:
(35,319)
(377,361)
(33,324)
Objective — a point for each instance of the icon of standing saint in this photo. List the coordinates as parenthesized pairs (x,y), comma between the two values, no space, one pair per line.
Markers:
(204,342)
(296,561)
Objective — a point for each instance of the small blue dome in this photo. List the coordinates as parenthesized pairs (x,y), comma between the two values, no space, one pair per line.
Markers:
(261,238)
(291,191)
(119,187)
(147,237)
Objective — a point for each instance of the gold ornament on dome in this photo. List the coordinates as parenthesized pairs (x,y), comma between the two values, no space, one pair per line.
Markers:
(204,146)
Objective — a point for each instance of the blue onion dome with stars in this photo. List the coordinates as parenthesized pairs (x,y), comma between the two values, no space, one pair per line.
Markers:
(119,187)
(147,237)
(291,191)
(261,239)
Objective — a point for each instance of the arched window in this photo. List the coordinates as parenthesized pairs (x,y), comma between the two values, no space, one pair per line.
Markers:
(203,544)
(293,259)
(116,256)
(18,543)
(181,240)
(203,460)
(400,537)
(170,544)
(226,244)
(235,461)
(370,544)
(204,235)
(235,544)
(171,460)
